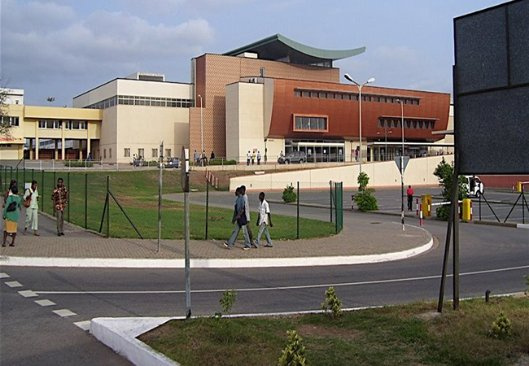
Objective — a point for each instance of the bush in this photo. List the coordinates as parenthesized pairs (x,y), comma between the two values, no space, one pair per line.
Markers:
(501,327)
(289,195)
(218,161)
(78,164)
(527,283)
(332,303)
(444,173)
(294,352)
(363,180)
(365,200)
(228,300)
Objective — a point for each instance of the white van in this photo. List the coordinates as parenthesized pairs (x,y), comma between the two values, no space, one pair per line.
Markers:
(474,185)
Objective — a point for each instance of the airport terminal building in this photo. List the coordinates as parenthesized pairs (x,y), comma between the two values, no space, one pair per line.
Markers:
(272,96)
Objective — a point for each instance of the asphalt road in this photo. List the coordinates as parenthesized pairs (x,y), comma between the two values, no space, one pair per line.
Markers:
(494,258)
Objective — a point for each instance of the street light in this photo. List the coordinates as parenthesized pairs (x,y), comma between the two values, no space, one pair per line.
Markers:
(201,126)
(359,86)
(402,163)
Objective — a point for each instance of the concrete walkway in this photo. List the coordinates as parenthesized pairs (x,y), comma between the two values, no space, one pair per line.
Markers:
(363,240)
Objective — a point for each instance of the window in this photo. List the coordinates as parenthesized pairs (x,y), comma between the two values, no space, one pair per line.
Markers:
(310,123)
(104,153)
(110,153)
(167,152)
(154,153)
(126,152)
(141,153)
(50,123)
(10,121)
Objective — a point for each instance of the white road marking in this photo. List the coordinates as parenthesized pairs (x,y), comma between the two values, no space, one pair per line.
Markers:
(254,289)
(64,312)
(84,325)
(4,275)
(45,302)
(13,284)
(28,293)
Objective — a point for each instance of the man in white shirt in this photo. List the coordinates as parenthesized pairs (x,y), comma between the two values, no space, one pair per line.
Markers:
(32,212)
(263,220)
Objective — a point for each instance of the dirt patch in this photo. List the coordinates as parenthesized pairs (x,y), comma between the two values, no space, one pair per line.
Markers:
(318,331)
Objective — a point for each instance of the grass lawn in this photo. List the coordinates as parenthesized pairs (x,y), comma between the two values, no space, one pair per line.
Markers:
(137,193)
(385,336)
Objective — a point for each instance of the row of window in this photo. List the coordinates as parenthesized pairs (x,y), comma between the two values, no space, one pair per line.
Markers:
(408,123)
(310,123)
(10,121)
(68,124)
(144,101)
(141,153)
(325,94)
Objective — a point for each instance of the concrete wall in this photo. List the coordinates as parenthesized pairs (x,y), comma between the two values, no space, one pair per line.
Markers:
(381,174)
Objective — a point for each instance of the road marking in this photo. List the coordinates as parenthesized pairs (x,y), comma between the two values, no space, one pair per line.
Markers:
(13,284)
(4,275)
(84,325)
(254,289)
(45,302)
(64,312)
(28,293)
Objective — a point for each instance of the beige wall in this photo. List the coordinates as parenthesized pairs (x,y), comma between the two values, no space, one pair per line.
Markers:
(244,120)
(381,174)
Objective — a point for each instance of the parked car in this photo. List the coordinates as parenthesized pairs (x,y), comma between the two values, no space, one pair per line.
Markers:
(172,163)
(293,157)
(474,185)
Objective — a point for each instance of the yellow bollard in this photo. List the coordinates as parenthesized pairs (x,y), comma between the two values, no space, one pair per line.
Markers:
(467,210)
(519,187)
(426,205)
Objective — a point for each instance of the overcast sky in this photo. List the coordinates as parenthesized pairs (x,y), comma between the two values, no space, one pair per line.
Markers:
(62,48)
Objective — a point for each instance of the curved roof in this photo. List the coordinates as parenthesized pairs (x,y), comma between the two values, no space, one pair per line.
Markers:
(281,48)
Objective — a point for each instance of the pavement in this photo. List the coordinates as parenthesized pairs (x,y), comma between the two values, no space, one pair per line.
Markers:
(363,240)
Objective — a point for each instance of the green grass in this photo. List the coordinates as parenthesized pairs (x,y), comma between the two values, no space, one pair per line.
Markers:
(137,193)
(385,336)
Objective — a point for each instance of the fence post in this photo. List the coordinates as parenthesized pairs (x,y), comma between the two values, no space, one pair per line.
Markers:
(32,174)
(297,214)
(69,194)
(207,208)
(24,175)
(86,200)
(43,190)
(108,206)
(330,199)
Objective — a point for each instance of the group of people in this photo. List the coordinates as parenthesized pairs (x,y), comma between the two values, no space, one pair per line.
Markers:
(13,203)
(251,156)
(241,220)
(201,159)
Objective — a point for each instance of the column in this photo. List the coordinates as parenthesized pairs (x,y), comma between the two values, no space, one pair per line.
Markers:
(88,149)
(62,139)
(37,148)
(30,148)
(80,149)
(55,149)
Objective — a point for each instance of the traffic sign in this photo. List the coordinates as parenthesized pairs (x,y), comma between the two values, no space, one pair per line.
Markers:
(406,160)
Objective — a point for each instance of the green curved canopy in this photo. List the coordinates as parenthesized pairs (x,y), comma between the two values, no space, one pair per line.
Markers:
(281,48)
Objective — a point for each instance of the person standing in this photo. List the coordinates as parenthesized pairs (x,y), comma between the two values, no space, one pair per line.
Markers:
(253,157)
(258,157)
(239,219)
(9,192)
(264,219)
(10,214)
(409,193)
(60,200)
(32,211)
(248,158)
(196,157)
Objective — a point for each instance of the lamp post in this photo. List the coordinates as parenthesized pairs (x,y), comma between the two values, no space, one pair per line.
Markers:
(201,126)
(402,163)
(359,86)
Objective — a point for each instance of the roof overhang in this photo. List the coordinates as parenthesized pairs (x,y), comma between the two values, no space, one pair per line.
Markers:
(281,48)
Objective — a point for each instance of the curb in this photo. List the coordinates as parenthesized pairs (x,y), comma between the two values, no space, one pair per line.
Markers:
(215,263)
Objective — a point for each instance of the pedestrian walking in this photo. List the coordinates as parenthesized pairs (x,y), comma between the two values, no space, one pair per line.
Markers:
(264,219)
(31,197)
(10,214)
(196,158)
(409,193)
(258,158)
(247,211)
(239,219)
(60,200)
(248,158)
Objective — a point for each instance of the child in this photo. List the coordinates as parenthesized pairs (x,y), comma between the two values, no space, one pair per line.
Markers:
(263,220)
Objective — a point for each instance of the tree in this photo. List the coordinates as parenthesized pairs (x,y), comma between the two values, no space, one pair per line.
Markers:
(445,173)
(365,199)
(4,124)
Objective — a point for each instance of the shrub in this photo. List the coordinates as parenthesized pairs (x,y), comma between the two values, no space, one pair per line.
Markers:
(527,283)
(366,201)
(444,173)
(294,352)
(218,161)
(78,164)
(332,303)
(288,194)
(228,300)
(363,180)
(501,327)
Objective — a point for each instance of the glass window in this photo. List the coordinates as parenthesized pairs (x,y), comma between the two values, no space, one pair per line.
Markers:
(126,152)
(141,153)
(154,153)
(167,152)
(110,153)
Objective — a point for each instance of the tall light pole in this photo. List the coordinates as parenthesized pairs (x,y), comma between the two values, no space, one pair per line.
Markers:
(201,127)
(359,86)
(402,163)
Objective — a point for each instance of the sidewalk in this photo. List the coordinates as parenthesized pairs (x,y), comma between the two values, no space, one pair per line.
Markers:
(362,241)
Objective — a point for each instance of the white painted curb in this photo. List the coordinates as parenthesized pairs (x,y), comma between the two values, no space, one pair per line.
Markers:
(120,335)
(214,263)
(522,226)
